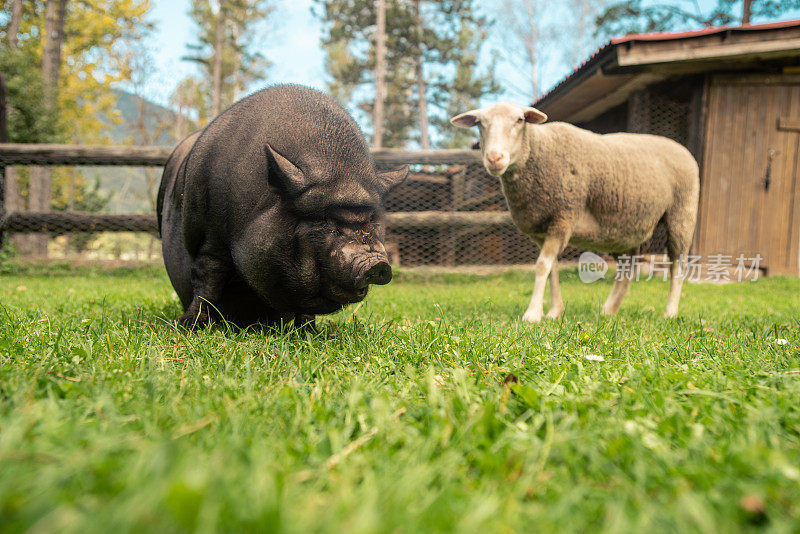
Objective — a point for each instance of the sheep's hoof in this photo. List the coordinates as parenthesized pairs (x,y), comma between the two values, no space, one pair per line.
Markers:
(670,314)
(555,313)
(532,317)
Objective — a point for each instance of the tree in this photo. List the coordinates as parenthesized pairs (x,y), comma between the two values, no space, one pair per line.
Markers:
(464,90)
(49,102)
(419,74)
(188,98)
(425,45)
(362,38)
(583,40)
(40,185)
(225,51)
(26,118)
(380,72)
(523,19)
(640,16)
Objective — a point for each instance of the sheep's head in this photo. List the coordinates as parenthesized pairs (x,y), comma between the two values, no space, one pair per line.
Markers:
(502,130)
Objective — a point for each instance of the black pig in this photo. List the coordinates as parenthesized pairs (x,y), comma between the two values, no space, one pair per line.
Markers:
(274,212)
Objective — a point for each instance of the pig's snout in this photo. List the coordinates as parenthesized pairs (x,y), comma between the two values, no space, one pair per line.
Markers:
(379,272)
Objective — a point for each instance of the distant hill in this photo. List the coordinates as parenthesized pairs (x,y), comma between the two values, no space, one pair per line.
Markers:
(127,186)
(159,122)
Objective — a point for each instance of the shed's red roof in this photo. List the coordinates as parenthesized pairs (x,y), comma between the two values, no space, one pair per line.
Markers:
(665,36)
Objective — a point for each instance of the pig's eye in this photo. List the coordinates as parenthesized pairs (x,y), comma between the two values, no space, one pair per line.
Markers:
(352,216)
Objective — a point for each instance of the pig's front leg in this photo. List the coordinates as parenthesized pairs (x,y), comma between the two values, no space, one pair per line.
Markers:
(305,322)
(209,277)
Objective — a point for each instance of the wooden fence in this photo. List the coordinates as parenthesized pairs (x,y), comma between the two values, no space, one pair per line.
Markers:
(56,223)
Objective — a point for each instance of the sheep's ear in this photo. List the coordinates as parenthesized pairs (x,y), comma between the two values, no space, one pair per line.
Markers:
(391,179)
(466,120)
(534,116)
(284,175)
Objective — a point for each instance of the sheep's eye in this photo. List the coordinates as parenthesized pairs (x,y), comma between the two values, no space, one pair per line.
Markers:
(519,120)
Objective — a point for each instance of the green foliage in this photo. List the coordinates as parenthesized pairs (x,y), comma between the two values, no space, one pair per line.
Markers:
(30,119)
(642,16)
(395,418)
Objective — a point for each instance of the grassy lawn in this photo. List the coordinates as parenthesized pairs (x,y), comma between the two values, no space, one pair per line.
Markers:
(396,419)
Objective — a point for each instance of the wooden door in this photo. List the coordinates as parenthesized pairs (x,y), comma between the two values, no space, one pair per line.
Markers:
(749,191)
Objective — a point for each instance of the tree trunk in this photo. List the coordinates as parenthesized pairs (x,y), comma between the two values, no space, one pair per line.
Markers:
(3,115)
(180,121)
(40,186)
(380,73)
(531,44)
(3,139)
(216,69)
(747,11)
(422,98)
(12,200)
(55,13)
(12,30)
(238,84)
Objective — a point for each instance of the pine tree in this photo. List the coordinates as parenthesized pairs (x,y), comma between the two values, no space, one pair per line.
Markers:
(225,49)
(464,90)
(426,45)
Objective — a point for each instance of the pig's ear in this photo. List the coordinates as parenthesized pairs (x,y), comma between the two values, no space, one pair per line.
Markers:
(391,179)
(284,175)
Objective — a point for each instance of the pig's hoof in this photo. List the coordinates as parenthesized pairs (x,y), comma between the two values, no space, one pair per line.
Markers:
(192,321)
(306,323)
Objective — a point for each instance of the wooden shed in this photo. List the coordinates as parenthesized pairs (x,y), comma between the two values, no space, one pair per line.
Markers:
(732,96)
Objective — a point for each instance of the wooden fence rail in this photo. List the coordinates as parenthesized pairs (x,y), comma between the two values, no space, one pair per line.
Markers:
(156,156)
(60,223)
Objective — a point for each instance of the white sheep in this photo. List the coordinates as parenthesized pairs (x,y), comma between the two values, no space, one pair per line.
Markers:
(604,193)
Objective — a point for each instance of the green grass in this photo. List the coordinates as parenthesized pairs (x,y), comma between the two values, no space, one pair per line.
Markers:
(396,419)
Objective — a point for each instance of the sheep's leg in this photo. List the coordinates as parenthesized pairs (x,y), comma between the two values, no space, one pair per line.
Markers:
(675,283)
(680,227)
(618,292)
(556,304)
(552,247)
(620,289)
(677,248)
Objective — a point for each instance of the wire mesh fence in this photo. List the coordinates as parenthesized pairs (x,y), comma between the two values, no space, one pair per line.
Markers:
(449,212)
